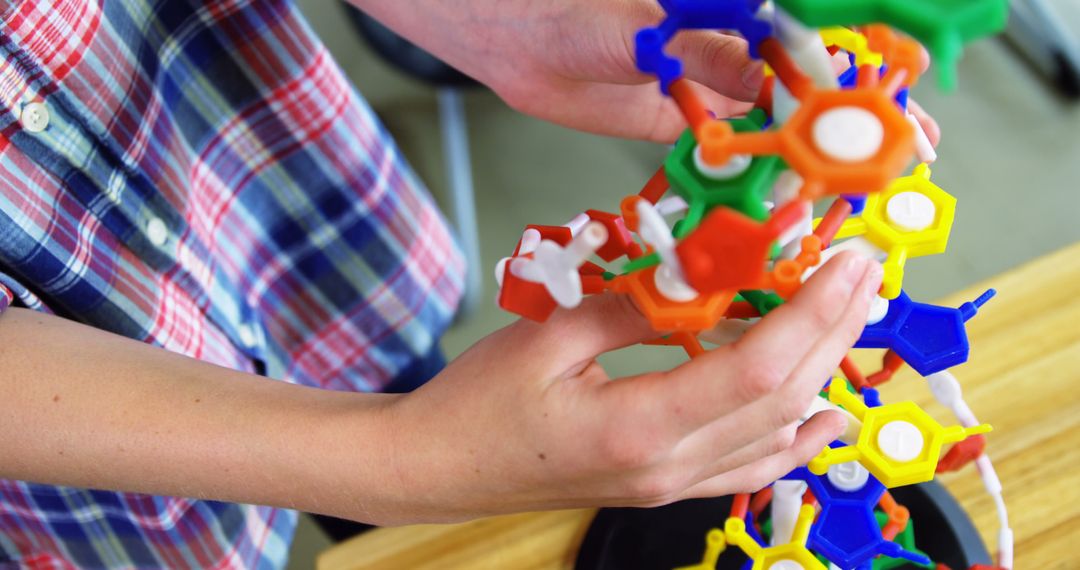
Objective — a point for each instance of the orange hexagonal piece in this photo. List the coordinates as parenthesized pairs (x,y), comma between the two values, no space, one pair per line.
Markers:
(665,315)
(825,171)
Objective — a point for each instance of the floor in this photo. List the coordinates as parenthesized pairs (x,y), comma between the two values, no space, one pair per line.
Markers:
(1010,154)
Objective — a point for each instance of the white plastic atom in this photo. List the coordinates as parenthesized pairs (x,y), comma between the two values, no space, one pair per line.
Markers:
(556,267)
(900,440)
(879,307)
(910,211)
(848,134)
(735,166)
(848,477)
(672,286)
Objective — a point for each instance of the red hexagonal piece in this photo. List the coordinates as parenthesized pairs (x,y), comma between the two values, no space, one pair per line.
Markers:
(558,234)
(525,298)
(619,240)
(728,250)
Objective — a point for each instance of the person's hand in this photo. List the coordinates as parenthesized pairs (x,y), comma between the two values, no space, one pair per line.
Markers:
(572,62)
(527,420)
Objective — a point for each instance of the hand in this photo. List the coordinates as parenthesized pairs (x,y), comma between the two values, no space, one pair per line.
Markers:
(572,62)
(527,420)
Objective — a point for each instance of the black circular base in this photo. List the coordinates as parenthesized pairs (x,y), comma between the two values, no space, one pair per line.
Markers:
(668,537)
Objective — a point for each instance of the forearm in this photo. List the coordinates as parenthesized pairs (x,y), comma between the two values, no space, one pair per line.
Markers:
(498,41)
(86,408)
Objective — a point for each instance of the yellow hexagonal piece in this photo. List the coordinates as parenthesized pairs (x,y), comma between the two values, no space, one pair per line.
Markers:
(900,444)
(790,556)
(715,544)
(911,218)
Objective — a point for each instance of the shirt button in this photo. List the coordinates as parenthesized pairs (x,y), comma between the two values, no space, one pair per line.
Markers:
(157,232)
(35,117)
(247,335)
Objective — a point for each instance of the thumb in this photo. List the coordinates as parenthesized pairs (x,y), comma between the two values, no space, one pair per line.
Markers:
(719,62)
(601,324)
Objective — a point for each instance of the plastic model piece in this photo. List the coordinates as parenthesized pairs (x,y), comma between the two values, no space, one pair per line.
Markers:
(911,218)
(847,532)
(899,443)
(723,233)
(928,337)
(941,25)
(789,556)
(738,15)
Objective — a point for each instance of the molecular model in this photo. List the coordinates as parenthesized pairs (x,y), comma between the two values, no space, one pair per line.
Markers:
(740,193)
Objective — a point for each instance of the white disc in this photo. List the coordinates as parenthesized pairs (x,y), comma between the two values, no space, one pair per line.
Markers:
(786,564)
(848,134)
(900,440)
(672,286)
(735,166)
(879,307)
(910,211)
(850,476)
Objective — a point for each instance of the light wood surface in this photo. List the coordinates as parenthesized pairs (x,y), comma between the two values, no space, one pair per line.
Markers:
(1023,377)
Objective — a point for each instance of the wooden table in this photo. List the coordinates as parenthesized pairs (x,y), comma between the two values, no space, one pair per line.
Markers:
(1024,378)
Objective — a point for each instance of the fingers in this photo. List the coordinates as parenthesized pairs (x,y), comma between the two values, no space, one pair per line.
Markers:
(823,359)
(601,324)
(791,400)
(638,111)
(719,62)
(763,360)
(789,332)
(810,439)
(727,331)
(929,125)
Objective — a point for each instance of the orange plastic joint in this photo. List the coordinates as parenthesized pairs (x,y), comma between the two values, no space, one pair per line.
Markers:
(695,112)
(740,505)
(853,374)
(890,364)
(760,500)
(656,186)
(832,220)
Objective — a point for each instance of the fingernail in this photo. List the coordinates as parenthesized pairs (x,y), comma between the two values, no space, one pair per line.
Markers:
(855,269)
(873,279)
(840,427)
(753,76)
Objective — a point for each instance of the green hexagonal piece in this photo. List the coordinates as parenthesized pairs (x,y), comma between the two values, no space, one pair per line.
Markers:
(744,193)
(943,26)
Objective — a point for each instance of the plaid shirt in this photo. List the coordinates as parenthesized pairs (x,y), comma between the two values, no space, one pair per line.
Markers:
(201,177)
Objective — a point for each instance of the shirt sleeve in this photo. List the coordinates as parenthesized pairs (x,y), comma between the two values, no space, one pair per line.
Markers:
(6,297)
(14,294)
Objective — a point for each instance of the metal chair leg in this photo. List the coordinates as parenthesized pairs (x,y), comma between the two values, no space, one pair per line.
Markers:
(455,141)
(1038,33)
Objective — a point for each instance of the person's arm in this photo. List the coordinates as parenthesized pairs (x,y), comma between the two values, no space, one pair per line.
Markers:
(524,420)
(88,408)
(572,62)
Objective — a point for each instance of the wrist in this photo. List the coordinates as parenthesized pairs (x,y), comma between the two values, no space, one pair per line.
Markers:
(344,458)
